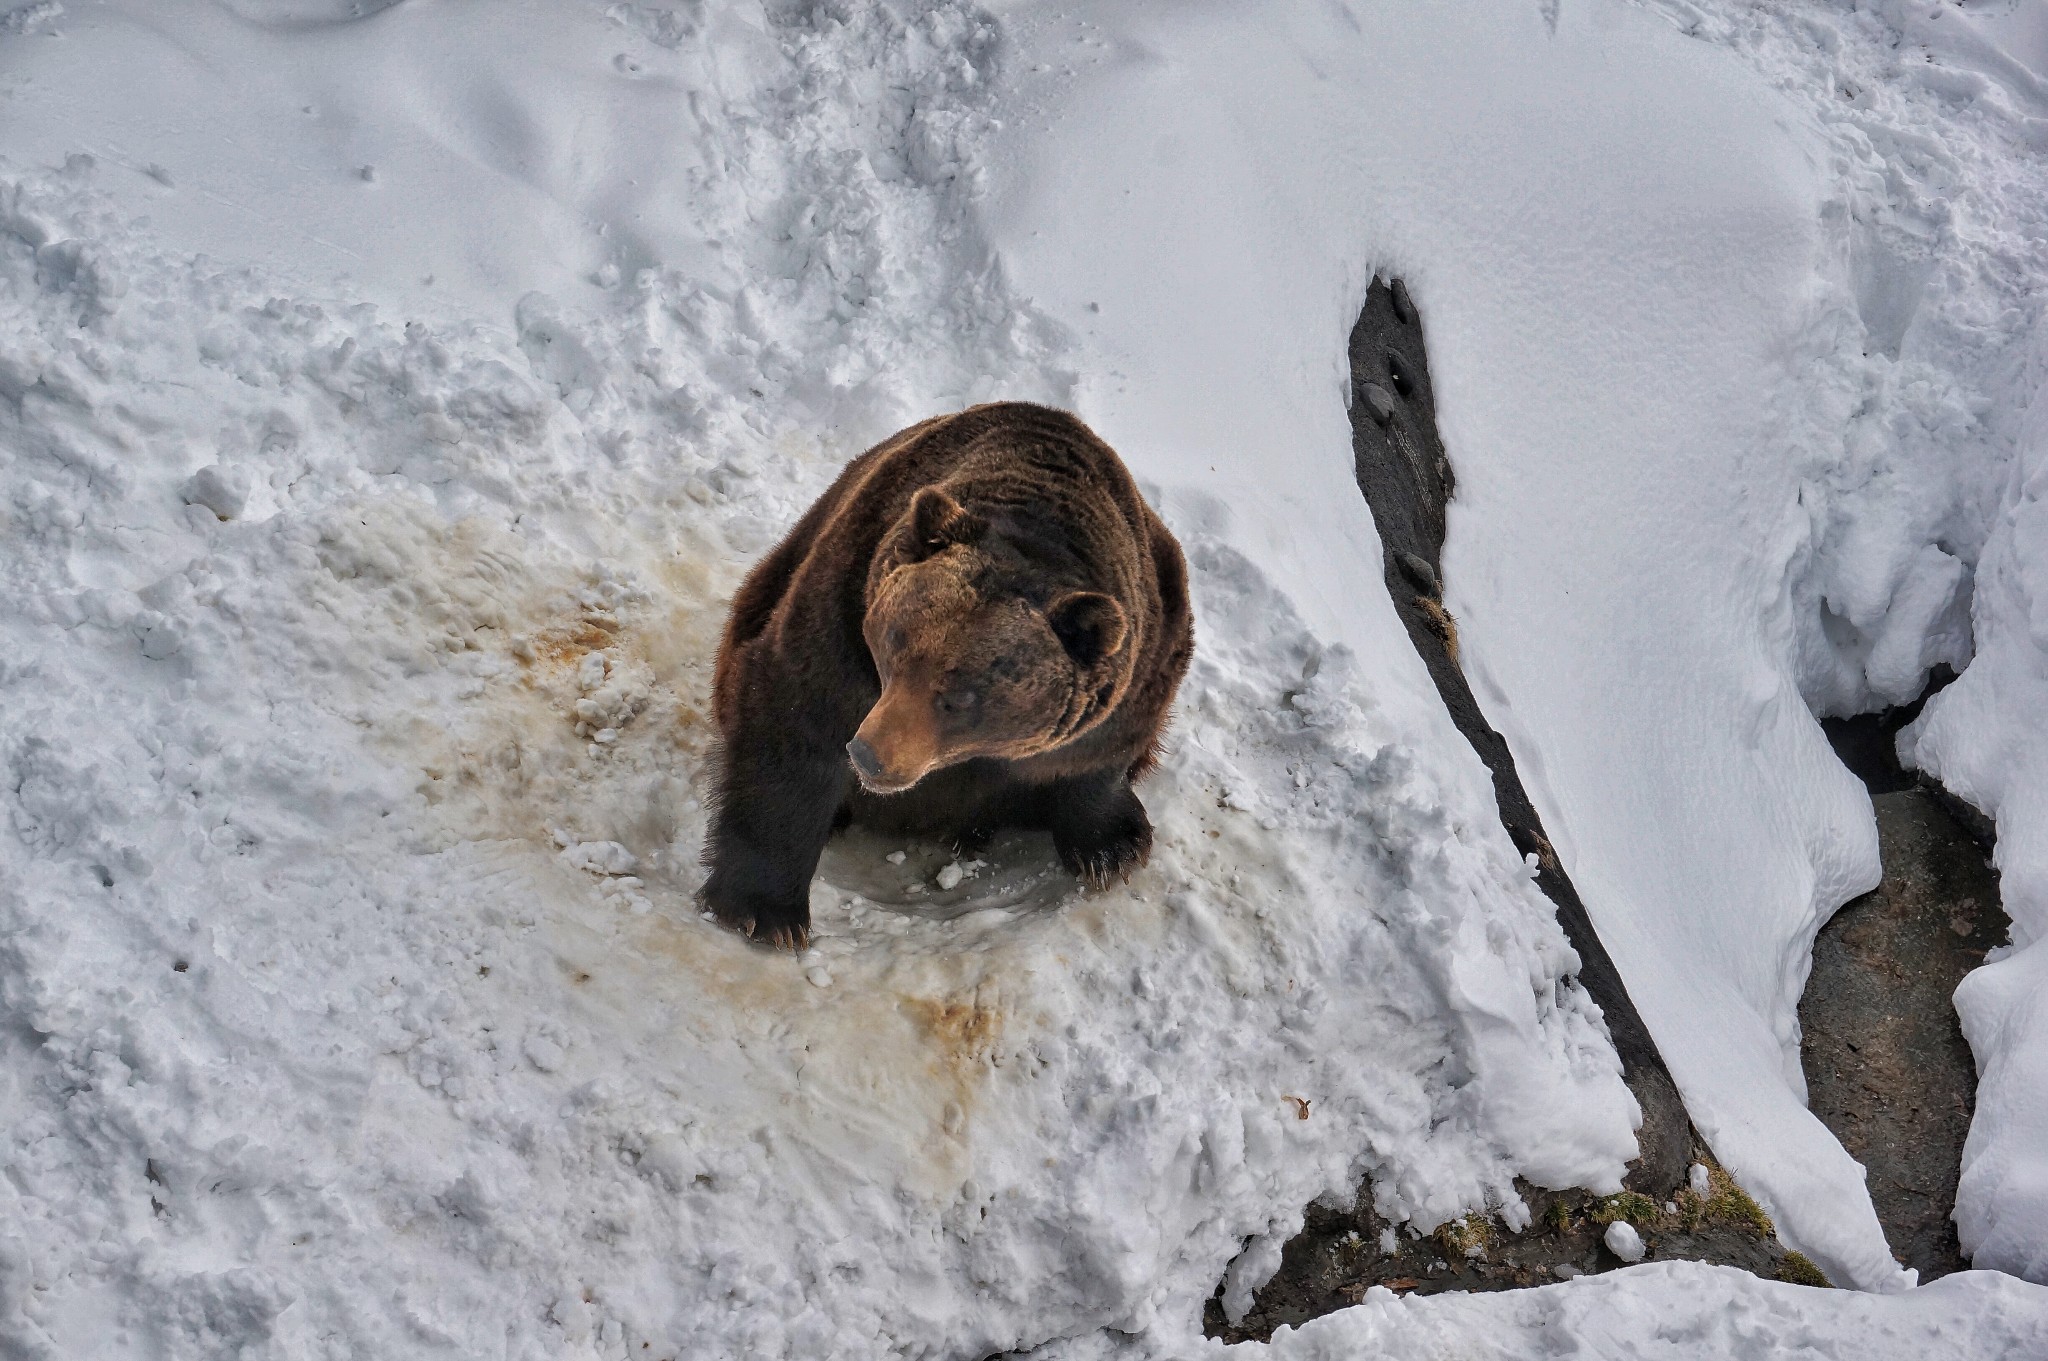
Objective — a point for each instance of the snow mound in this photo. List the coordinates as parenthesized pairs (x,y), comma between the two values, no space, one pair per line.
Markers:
(1677,1311)
(1730,334)
(1569,203)
(1983,738)
(354,729)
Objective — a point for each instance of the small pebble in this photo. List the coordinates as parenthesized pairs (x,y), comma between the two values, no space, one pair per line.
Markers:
(1404,307)
(950,877)
(895,857)
(1417,569)
(1380,401)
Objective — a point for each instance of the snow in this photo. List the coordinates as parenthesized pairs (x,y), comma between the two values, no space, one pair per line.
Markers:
(1623,1241)
(393,394)
(1681,1312)
(1941,115)
(1821,278)
(1983,738)
(1570,209)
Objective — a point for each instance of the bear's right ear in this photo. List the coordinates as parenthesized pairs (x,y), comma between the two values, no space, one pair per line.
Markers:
(937,522)
(1089,625)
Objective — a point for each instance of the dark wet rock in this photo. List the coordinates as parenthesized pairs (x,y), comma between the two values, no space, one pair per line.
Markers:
(1378,401)
(1402,305)
(1405,473)
(1418,571)
(1339,1255)
(1402,468)
(1887,1068)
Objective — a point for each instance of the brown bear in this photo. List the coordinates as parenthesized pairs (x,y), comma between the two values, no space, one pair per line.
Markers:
(980,624)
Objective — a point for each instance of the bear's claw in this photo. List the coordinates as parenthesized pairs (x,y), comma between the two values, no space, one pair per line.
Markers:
(1108,845)
(794,937)
(761,920)
(1113,861)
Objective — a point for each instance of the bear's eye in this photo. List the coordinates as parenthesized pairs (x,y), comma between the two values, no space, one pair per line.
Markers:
(958,701)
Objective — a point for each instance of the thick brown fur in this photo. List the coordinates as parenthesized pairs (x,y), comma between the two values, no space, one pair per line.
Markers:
(980,624)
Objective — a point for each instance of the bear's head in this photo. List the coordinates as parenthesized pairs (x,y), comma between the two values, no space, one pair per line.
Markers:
(978,654)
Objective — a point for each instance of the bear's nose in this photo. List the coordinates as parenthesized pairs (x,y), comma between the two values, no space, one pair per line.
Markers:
(864,759)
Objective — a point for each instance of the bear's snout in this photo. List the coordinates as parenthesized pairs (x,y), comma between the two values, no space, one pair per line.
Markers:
(896,746)
(866,764)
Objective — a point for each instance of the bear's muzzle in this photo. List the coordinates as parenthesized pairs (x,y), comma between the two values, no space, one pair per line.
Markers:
(896,745)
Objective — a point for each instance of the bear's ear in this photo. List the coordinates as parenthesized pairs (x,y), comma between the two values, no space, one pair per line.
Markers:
(937,521)
(1089,625)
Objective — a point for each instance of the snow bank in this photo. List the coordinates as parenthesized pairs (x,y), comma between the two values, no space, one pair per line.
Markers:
(1588,212)
(1926,538)
(1681,1312)
(356,656)
(1666,1311)
(1730,350)
(1984,738)
(369,510)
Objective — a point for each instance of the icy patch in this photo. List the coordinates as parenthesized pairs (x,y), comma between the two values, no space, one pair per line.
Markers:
(1018,871)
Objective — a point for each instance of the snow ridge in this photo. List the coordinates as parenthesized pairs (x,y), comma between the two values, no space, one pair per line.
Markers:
(1920,445)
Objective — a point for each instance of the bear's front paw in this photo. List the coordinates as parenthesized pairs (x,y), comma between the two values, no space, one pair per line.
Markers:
(762,917)
(1109,851)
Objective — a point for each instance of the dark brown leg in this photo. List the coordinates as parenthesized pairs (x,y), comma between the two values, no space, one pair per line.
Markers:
(1098,826)
(778,798)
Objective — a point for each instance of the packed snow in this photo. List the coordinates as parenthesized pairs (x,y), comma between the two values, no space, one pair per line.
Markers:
(393,394)
(1667,1311)
(1679,1312)
(1733,354)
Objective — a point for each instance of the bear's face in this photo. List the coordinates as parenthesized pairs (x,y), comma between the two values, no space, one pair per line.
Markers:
(969,667)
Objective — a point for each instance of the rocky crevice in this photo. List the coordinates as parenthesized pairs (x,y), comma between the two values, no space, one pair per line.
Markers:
(1681,1213)
(1405,473)
(1887,1067)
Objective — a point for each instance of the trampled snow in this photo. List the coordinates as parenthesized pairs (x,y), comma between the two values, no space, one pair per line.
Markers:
(393,395)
